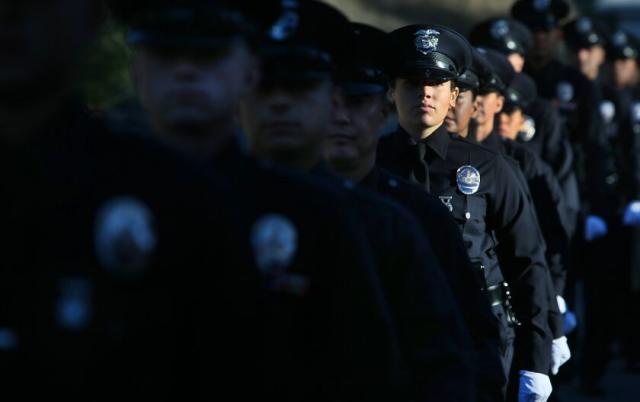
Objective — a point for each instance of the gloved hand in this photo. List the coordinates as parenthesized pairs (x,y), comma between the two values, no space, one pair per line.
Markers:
(534,387)
(562,305)
(632,214)
(560,354)
(570,322)
(594,228)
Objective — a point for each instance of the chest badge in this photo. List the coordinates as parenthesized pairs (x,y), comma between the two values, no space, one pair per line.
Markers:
(468,179)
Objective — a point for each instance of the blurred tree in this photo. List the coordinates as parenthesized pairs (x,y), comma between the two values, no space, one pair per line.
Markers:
(106,79)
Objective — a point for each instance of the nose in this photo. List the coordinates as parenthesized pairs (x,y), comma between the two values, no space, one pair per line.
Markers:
(185,70)
(427,91)
(340,110)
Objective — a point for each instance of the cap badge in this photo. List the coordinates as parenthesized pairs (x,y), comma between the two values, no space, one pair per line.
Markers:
(125,238)
(288,22)
(620,39)
(468,179)
(541,5)
(427,40)
(499,29)
(584,25)
(564,91)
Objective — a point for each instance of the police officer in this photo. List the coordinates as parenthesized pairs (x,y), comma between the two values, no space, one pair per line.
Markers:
(493,71)
(290,222)
(486,200)
(103,233)
(350,151)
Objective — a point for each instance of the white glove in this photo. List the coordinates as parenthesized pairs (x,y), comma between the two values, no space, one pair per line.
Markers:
(595,227)
(632,214)
(560,354)
(562,305)
(534,387)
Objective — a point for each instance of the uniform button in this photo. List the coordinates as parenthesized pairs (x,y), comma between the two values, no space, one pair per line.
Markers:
(467,215)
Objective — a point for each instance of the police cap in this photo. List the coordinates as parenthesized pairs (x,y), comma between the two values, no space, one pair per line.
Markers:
(192,23)
(505,35)
(430,51)
(584,33)
(623,45)
(470,79)
(363,72)
(521,92)
(540,15)
(500,72)
(309,40)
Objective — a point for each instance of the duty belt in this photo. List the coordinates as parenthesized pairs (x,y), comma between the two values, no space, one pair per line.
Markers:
(499,295)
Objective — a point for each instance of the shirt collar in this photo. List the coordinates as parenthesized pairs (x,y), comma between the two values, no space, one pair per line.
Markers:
(438,141)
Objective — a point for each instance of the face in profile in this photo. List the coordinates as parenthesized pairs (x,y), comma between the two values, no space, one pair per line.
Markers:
(461,114)
(511,122)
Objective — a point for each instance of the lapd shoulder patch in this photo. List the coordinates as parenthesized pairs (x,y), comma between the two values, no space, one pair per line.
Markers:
(125,237)
(468,179)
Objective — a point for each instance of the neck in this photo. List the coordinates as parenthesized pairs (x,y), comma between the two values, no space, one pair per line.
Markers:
(420,133)
(202,143)
(484,130)
(302,162)
(464,133)
(354,170)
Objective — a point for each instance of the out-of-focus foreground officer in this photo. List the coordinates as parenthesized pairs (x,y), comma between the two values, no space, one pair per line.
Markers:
(103,233)
(327,329)
(350,151)
(287,122)
(479,189)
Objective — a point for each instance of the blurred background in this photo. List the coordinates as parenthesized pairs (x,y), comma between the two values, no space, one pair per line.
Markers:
(107,80)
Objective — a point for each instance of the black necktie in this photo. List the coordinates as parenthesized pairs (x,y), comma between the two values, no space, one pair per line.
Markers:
(420,167)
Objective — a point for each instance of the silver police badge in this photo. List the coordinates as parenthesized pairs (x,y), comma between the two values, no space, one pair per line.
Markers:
(607,111)
(427,41)
(125,239)
(583,25)
(274,239)
(528,129)
(564,91)
(288,22)
(499,29)
(468,179)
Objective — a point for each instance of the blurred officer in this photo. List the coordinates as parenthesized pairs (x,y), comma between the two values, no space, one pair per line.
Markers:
(611,184)
(351,152)
(192,65)
(287,122)
(103,232)
(543,18)
(545,134)
(485,199)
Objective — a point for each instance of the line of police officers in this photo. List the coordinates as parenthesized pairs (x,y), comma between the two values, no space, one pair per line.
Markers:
(261,240)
